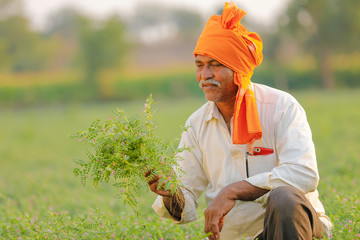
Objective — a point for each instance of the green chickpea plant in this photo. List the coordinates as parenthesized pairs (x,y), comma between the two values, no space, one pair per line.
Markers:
(123,149)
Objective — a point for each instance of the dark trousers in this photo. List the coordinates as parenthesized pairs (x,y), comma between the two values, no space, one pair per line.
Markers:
(290,216)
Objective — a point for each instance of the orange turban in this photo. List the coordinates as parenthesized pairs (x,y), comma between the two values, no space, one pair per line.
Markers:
(227,41)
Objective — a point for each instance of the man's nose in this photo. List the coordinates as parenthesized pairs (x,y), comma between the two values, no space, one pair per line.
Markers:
(206,73)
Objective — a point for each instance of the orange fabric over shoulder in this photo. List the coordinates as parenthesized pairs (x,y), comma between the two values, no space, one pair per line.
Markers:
(229,42)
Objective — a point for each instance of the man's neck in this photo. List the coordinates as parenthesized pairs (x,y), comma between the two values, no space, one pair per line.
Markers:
(227,111)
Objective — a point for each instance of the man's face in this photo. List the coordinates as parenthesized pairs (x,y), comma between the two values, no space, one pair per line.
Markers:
(208,70)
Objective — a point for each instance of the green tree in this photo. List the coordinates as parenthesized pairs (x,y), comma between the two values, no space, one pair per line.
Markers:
(21,49)
(90,44)
(324,28)
(102,45)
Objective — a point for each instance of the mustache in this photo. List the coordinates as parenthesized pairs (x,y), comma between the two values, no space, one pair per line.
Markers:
(209,81)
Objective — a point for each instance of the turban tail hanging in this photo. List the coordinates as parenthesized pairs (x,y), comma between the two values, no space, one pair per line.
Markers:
(227,41)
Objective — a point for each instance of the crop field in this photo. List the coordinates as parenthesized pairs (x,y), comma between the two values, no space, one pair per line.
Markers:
(40,198)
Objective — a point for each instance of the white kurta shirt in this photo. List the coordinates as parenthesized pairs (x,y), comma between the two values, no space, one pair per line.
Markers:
(215,162)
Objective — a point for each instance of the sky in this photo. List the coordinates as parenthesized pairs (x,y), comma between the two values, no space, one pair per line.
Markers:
(262,11)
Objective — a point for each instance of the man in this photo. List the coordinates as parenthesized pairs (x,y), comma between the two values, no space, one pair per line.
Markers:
(251,147)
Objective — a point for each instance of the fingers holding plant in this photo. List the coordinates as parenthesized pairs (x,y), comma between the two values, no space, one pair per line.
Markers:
(159,184)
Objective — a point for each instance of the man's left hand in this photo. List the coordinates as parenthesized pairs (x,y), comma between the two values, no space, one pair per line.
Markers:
(216,212)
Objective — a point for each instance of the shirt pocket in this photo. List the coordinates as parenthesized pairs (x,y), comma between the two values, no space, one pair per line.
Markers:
(260,164)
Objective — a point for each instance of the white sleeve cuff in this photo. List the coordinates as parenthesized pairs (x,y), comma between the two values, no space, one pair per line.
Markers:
(261,180)
(160,209)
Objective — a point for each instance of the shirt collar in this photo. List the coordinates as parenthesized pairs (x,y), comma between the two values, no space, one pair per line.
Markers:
(213,112)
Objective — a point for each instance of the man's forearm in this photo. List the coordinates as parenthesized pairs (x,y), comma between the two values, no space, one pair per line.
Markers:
(244,191)
(175,204)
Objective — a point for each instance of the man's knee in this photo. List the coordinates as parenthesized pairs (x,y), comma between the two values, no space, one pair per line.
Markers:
(285,199)
(288,209)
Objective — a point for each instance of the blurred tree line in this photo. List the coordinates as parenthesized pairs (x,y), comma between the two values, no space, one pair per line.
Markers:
(20,48)
(73,40)
(325,34)
(310,39)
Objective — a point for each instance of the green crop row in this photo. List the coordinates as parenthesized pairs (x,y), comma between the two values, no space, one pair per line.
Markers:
(174,85)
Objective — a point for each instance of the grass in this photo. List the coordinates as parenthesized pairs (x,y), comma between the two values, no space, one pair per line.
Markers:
(334,118)
(40,198)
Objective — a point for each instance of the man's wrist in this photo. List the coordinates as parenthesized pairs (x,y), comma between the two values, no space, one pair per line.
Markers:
(175,204)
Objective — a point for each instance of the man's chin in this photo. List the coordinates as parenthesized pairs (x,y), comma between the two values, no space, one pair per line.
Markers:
(211,98)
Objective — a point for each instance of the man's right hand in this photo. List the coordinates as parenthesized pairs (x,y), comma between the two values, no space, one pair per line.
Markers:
(173,202)
(154,183)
